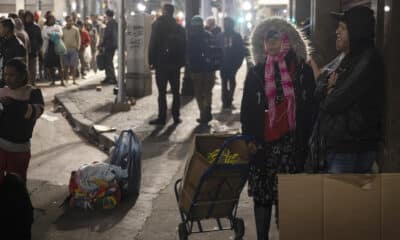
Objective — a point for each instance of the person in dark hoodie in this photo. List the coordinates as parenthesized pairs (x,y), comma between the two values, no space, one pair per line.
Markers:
(36,41)
(278,109)
(232,58)
(167,56)
(201,46)
(108,46)
(352,100)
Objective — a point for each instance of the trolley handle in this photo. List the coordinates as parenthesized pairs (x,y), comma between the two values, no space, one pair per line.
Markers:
(229,141)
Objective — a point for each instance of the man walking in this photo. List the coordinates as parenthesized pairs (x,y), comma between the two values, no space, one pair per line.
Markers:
(232,58)
(108,45)
(167,56)
(72,41)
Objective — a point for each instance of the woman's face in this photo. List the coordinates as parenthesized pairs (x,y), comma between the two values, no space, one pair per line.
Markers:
(272,46)
(12,78)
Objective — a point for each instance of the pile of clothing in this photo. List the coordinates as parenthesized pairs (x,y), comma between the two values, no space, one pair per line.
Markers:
(96,186)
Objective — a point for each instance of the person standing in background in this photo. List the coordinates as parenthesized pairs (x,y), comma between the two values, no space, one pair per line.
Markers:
(233,51)
(72,41)
(36,42)
(109,45)
(51,59)
(85,43)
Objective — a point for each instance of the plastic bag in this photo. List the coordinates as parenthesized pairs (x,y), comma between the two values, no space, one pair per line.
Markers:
(90,176)
(87,55)
(59,45)
(127,155)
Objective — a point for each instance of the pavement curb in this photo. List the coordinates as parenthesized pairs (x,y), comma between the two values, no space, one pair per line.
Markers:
(82,125)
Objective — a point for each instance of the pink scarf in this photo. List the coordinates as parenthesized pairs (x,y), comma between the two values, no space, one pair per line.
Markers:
(287,84)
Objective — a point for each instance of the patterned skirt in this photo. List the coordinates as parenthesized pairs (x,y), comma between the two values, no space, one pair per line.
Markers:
(275,158)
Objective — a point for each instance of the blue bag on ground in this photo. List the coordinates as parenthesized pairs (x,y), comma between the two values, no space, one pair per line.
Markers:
(127,155)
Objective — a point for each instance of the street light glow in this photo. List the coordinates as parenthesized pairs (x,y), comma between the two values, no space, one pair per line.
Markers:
(387,8)
(249,25)
(141,7)
(73,6)
(249,16)
(180,15)
(246,6)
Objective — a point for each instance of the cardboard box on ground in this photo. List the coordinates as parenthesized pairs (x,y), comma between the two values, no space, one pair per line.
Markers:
(345,207)
(222,187)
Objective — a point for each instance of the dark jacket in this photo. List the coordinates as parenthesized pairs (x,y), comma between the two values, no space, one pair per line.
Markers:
(351,116)
(12,48)
(201,45)
(233,51)
(167,44)
(110,39)
(254,104)
(35,38)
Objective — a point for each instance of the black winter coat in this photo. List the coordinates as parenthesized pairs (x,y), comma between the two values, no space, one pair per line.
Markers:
(351,116)
(164,30)
(35,38)
(201,45)
(233,51)
(254,104)
(110,39)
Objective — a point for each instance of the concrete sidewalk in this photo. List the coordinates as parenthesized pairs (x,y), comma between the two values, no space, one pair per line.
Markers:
(165,150)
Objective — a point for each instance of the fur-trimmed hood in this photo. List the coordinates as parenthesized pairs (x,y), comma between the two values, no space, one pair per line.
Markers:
(298,42)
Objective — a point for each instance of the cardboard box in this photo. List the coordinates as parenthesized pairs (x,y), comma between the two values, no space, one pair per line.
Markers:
(345,207)
(221,188)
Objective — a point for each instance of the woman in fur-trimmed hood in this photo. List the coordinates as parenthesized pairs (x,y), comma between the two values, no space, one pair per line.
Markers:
(278,109)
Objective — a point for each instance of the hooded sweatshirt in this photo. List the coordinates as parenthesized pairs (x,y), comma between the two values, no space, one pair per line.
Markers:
(351,116)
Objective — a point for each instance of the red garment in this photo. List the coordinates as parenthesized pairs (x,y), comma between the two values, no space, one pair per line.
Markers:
(15,162)
(85,39)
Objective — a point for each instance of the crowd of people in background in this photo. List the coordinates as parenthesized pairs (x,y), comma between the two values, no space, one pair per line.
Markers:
(308,118)
(59,49)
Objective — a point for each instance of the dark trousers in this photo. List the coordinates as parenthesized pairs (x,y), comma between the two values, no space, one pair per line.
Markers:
(263,214)
(228,87)
(110,71)
(162,78)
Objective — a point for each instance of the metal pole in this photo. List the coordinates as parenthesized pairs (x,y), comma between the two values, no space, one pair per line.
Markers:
(121,51)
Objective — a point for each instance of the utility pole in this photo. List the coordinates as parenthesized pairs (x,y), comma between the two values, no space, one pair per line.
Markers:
(121,51)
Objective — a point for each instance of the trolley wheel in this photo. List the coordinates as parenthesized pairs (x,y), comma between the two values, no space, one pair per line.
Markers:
(238,227)
(182,231)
